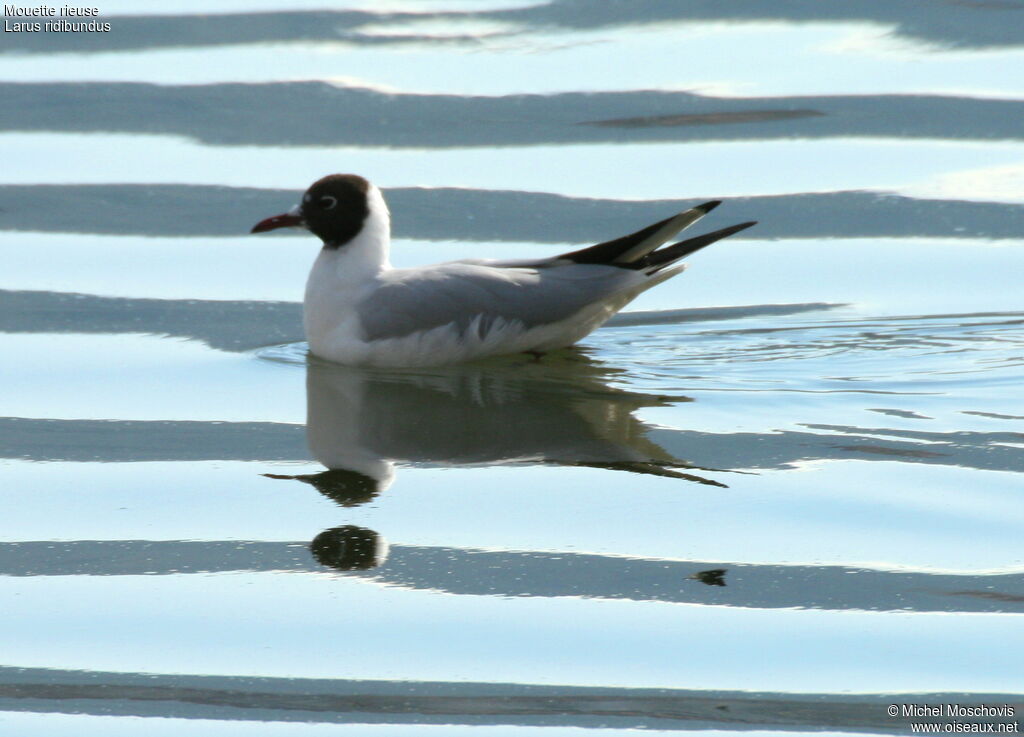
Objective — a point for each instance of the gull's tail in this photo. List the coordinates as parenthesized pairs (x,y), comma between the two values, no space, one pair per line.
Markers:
(640,250)
(664,257)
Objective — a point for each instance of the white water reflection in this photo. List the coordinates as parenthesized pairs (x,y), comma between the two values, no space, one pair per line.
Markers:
(142,7)
(819,58)
(614,171)
(327,627)
(1002,183)
(140,377)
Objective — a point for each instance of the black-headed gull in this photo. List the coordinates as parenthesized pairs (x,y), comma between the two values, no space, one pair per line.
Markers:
(361,311)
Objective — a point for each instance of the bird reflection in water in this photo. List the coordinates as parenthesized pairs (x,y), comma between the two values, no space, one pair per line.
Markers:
(340,485)
(349,548)
(363,422)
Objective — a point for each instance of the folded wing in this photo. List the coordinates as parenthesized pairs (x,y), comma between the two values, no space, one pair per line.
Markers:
(477,297)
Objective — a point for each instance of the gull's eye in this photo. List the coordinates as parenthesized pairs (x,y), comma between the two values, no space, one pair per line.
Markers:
(327,202)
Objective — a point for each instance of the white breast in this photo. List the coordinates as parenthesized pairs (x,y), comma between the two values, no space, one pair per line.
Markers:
(339,280)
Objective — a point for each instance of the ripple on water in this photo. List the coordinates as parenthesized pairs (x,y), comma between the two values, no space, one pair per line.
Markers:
(912,355)
(292,354)
(921,353)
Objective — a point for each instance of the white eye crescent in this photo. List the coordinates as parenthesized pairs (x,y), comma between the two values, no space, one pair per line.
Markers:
(327,202)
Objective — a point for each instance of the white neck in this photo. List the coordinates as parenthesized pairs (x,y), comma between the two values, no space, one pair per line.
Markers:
(341,277)
(367,253)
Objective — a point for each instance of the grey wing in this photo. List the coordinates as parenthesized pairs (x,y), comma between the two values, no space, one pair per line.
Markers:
(466,294)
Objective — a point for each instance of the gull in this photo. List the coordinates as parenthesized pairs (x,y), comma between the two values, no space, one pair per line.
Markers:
(358,310)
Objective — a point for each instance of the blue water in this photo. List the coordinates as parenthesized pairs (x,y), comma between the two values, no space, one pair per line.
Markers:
(781,492)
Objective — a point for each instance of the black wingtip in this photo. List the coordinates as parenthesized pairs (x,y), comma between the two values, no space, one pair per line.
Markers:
(726,232)
(665,256)
(708,238)
(708,206)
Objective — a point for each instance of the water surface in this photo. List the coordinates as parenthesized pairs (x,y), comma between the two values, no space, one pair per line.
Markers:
(778,494)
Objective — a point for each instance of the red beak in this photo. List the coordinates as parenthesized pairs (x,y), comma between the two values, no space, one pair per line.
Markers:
(285,220)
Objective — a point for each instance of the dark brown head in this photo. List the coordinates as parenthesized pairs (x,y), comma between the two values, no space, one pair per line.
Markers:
(333,208)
